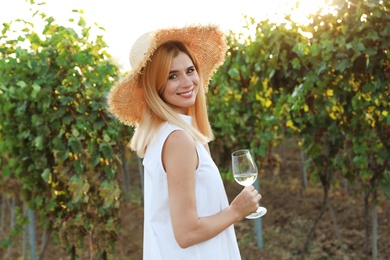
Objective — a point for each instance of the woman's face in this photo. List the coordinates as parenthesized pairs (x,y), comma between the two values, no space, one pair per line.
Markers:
(182,85)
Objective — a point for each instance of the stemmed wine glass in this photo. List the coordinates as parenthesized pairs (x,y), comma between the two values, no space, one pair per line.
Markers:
(245,173)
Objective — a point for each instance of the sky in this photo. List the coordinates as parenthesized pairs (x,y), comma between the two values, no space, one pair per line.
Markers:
(125,20)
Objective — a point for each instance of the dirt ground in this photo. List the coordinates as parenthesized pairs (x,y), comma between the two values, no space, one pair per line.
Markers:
(292,210)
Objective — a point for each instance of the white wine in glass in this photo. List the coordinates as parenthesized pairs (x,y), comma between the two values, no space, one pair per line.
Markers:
(245,173)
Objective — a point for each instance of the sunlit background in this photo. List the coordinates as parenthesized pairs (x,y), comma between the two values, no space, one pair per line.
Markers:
(125,20)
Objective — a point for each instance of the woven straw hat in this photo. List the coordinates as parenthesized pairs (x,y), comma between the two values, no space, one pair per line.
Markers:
(206,43)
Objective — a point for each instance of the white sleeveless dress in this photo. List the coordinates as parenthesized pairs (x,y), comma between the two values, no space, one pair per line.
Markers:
(159,240)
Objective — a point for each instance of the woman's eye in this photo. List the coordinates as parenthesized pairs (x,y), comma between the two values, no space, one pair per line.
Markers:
(190,70)
(172,76)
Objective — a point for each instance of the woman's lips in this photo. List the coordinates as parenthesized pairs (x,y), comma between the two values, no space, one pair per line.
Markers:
(187,93)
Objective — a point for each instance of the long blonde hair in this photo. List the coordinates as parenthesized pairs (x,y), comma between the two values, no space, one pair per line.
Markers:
(153,81)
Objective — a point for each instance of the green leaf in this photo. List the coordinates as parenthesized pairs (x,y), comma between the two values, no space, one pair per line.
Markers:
(67,119)
(106,138)
(234,73)
(6,172)
(21,84)
(106,150)
(36,90)
(5,242)
(38,142)
(75,144)
(51,206)
(75,133)
(46,175)
(296,63)
(49,20)
(79,167)
(97,125)
(81,22)
(341,65)
(39,201)
(95,161)
(314,50)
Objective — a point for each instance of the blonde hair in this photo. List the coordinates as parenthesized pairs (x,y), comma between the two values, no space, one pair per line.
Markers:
(153,81)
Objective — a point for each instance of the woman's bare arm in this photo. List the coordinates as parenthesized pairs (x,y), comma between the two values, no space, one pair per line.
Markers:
(180,161)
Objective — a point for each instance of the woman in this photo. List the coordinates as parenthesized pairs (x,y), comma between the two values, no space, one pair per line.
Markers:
(187,214)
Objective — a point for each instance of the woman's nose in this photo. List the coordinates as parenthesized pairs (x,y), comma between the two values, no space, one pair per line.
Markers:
(186,81)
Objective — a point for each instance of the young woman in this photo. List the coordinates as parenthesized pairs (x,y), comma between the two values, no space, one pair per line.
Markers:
(187,214)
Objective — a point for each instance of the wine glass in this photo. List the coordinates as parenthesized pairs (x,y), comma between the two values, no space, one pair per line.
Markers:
(245,173)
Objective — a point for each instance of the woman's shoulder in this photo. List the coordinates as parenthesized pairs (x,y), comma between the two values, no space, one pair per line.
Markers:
(170,131)
(176,137)
(169,138)
(179,137)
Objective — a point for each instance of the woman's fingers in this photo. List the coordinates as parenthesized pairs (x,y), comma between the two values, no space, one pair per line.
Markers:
(253,192)
(247,201)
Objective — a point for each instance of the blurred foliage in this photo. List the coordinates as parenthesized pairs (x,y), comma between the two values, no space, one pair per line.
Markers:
(326,83)
(58,144)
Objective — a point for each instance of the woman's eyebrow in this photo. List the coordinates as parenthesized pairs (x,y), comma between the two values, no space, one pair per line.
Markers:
(174,71)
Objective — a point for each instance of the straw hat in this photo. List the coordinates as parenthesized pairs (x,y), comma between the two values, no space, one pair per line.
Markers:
(207,44)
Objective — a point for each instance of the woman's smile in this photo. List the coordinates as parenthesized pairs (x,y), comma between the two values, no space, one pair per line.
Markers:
(186,94)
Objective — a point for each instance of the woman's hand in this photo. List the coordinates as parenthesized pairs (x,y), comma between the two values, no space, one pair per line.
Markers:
(246,202)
